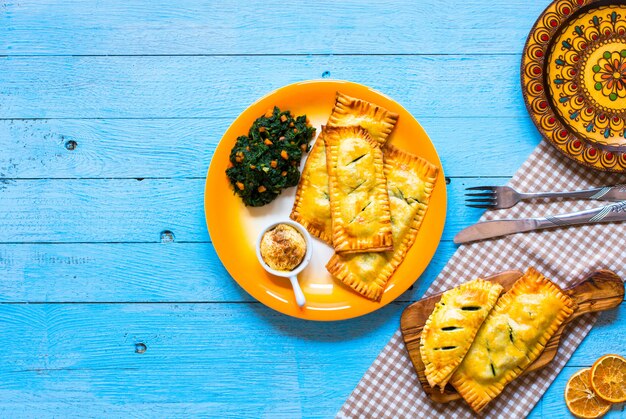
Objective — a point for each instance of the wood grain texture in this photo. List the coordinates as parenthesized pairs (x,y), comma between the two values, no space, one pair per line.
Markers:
(120,79)
(196,356)
(223,86)
(83,356)
(131,148)
(602,290)
(264,27)
(136,272)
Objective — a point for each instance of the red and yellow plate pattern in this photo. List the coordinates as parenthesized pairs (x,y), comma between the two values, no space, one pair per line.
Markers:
(574,80)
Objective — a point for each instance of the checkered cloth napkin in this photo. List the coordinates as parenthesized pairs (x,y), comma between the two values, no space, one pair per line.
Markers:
(390,387)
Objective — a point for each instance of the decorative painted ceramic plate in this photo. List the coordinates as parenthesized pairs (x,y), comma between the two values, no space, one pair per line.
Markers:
(574,80)
(234,228)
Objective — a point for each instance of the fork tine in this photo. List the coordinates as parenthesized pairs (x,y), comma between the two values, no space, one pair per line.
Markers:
(480,194)
(481,188)
(481,206)
(484,200)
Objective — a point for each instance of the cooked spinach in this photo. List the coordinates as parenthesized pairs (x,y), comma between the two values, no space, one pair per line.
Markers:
(266,161)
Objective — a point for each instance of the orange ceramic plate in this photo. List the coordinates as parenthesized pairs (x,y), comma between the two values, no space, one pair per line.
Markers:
(234,228)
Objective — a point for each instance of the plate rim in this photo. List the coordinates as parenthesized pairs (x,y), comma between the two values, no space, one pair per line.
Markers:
(443,188)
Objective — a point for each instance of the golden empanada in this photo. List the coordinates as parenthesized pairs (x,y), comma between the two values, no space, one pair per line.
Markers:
(511,338)
(410,182)
(348,111)
(312,206)
(452,326)
(359,204)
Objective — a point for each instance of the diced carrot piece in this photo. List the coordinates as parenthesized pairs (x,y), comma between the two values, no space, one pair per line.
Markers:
(274,163)
(268,142)
(262,129)
(291,124)
(283,118)
(252,167)
(303,147)
(283,174)
(284,155)
(240,186)
(261,188)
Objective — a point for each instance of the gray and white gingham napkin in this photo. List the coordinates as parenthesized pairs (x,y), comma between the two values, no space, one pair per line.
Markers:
(390,387)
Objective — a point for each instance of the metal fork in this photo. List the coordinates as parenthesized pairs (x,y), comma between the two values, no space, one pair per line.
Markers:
(500,197)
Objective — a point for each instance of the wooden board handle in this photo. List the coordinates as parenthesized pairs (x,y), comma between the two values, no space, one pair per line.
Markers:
(600,291)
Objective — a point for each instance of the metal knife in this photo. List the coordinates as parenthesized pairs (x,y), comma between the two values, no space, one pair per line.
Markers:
(496,228)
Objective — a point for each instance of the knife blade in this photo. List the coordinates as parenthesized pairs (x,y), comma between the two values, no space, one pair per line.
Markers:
(497,228)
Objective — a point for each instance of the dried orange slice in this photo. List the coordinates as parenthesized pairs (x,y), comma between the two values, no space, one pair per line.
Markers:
(608,378)
(580,398)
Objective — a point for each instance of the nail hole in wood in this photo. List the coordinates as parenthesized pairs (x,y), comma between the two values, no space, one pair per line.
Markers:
(140,348)
(167,236)
(71,145)
(326,74)
(447,180)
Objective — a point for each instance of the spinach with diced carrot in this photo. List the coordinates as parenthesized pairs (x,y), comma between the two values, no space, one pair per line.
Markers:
(267,160)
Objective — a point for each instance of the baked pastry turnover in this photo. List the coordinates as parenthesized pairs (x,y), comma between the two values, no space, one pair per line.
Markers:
(410,181)
(452,326)
(312,206)
(511,338)
(359,204)
(378,121)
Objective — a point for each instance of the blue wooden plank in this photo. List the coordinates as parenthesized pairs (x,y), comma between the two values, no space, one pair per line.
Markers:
(209,86)
(135,272)
(136,210)
(95,148)
(231,359)
(263,27)
(212,359)
(87,355)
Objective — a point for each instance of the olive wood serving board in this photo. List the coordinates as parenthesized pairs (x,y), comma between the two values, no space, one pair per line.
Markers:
(600,291)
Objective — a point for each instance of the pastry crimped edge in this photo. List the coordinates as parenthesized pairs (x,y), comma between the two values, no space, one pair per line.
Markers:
(438,375)
(468,389)
(374,291)
(342,242)
(296,212)
(346,105)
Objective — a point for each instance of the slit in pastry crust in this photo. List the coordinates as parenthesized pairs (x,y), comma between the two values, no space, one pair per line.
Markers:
(452,326)
(511,338)
(359,204)
(410,182)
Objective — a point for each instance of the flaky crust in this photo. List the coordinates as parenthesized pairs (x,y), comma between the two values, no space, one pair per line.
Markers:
(311,207)
(410,182)
(378,121)
(359,204)
(511,338)
(450,329)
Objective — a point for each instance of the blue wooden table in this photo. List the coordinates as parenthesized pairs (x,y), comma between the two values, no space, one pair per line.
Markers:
(112,299)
